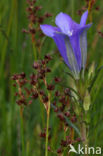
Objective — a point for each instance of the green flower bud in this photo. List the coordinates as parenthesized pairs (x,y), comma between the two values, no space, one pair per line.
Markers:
(87,101)
(91,70)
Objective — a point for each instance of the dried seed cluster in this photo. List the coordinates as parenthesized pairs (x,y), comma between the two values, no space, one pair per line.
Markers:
(27,94)
(37,87)
(35,19)
(89,4)
(100,34)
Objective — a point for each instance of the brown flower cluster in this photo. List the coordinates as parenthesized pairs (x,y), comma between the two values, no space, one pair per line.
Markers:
(35,17)
(36,87)
(88,6)
(37,79)
(100,34)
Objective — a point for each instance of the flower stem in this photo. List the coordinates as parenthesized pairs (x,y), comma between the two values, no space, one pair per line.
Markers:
(34,51)
(47,128)
(83,73)
(84,135)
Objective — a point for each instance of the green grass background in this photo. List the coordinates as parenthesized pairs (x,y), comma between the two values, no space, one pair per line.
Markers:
(16,55)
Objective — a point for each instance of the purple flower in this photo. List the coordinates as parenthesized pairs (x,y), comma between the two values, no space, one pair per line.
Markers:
(71,40)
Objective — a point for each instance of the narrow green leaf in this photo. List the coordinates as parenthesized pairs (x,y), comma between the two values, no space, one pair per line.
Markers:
(69,122)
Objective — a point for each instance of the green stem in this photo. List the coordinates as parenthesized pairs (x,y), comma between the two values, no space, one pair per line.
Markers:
(84,135)
(83,73)
(47,128)
(22,131)
(34,51)
(5,44)
(27,149)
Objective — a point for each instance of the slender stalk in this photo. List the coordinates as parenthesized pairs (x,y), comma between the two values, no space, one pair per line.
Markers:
(84,135)
(47,128)
(72,134)
(83,73)
(90,6)
(41,106)
(27,148)
(47,107)
(34,51)
(22,131)
(5,44)
(33,43)
(89,10)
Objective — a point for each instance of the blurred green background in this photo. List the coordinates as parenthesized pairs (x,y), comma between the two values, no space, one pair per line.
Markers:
(16,55)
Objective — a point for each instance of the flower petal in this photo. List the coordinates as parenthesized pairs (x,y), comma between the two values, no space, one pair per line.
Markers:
(60,43)
(66,51)
(75,43)
(84,18)
(86,27)
(49,30)
(72,56)
(83,46)
(65,23)
(83,43)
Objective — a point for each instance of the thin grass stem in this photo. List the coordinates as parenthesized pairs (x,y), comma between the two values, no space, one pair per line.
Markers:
(47,128)
(22,131)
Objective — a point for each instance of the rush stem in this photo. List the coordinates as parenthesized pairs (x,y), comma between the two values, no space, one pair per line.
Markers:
(22,131)
(47,128)
(72,134)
